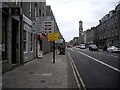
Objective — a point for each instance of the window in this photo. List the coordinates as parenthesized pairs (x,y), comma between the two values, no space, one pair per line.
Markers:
(24,41)
(16,2)
(49,28)
(47,25)
(35,10)
(39,12)
(47,22)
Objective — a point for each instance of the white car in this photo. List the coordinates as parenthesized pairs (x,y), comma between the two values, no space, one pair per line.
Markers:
(113,49)
(82,46)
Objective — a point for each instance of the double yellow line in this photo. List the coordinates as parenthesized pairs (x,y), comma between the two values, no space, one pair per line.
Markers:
(77,76)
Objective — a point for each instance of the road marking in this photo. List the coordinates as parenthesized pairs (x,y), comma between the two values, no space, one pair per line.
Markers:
(94,52)
(74,71)
(114,56)
(101,53)
(109,55)
(71,49)
(100,61)
(74,68)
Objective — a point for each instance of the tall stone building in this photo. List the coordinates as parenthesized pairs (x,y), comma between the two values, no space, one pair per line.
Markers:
(18,36)
(11,43)
(107,32)
(80,38)
(80,28)
(23,28)
(109,27)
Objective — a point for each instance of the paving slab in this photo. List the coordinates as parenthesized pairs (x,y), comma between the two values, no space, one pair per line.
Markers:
(38,73)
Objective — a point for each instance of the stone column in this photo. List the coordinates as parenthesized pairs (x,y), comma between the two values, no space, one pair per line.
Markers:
(9,41)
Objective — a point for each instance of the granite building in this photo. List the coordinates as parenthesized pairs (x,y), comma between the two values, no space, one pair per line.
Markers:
(23,26)
(10,35)
(107,32)
(18,37)
(109,27)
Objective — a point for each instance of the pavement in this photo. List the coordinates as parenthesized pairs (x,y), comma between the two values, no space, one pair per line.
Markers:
(38,73)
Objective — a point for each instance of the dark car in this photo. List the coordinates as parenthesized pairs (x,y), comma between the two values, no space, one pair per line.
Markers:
(104,48)
(69,46)
(93,47)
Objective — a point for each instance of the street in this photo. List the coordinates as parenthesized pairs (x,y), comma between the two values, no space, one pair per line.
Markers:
(98,69)
(60,44)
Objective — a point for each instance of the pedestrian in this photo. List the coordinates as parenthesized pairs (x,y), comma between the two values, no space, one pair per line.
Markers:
(61,48)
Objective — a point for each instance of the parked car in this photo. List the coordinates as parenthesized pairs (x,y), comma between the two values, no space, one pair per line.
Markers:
(69,46)
(93,47)
(104,48)
(113,49)
(82,46)
(77,46)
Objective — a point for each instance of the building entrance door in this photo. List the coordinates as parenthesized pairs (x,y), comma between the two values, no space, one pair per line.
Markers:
(15,41)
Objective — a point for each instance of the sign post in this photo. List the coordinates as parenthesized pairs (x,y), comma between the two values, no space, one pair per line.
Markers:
(53,51)
(53,37)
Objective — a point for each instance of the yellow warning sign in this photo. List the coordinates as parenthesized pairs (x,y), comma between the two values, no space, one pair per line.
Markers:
(52,36)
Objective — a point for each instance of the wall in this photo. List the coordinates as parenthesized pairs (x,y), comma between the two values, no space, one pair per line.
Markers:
(0,42)
(27,26)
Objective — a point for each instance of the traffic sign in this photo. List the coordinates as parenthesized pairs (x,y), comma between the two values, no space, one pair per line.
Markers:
(52,36)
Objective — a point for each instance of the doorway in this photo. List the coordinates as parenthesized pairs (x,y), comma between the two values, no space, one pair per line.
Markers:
(15,41)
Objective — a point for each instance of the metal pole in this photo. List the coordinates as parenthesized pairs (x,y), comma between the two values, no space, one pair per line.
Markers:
(53,51)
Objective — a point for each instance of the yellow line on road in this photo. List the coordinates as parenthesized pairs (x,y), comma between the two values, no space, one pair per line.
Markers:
(74,68)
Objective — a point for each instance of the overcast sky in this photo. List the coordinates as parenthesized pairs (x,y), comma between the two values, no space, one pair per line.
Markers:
(69,12)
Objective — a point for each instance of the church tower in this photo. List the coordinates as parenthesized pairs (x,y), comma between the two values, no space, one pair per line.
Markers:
(80,28)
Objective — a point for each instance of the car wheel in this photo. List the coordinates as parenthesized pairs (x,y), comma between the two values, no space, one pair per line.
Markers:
(89,49)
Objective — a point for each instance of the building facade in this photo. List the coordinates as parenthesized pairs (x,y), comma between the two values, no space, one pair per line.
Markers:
(75,41)
(24,32)
(0,43)
(10,36)
(109,27)
(107,32)
(27,32)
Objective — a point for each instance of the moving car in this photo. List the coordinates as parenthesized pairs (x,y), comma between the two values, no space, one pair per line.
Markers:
(93,47)
(113,49)
(82,46)
(77,46)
